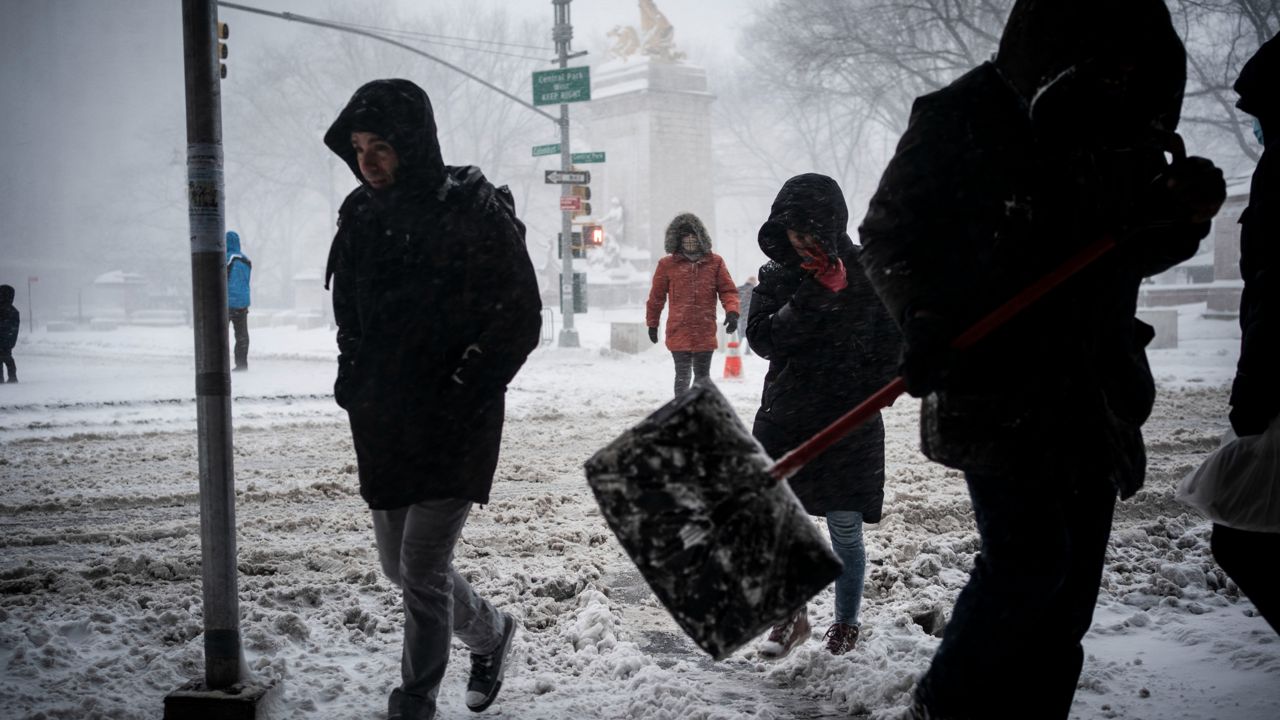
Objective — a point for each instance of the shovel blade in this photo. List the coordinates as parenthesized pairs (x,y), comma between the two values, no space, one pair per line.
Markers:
(727,549)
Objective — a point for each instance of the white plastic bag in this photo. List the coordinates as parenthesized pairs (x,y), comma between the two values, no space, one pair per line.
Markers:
(1239,484)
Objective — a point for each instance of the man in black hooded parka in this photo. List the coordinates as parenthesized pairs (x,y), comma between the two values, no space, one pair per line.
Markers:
(437,308)
(999,178)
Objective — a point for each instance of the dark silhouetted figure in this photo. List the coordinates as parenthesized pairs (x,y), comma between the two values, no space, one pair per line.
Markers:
(1000,177)
(1250,557)
(10,323)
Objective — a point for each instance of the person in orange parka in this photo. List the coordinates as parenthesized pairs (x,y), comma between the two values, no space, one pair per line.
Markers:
(691,276)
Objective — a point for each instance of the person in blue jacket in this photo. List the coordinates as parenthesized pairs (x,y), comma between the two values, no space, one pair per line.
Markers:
(238,269)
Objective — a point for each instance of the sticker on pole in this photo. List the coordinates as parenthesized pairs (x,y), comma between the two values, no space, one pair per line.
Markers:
(570,202)
(205,197)
(566,85)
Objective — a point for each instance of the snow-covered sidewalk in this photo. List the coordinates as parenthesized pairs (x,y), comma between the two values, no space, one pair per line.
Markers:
(100,587)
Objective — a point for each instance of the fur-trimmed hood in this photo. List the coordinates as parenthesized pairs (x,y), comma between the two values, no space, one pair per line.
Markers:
(685,224)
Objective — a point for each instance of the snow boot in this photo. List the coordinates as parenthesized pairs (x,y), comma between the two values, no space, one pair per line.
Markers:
(840,638)
(787,635)
(487,670)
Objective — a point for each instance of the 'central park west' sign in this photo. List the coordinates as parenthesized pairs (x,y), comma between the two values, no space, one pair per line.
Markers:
(553,87)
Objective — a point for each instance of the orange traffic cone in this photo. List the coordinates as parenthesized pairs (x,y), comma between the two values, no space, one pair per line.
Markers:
(732,361)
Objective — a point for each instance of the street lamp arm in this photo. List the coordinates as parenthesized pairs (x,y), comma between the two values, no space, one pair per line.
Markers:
(355,31)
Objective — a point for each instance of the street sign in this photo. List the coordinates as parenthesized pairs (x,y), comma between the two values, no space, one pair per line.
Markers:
(552,149)
(570,202)
(587,157)
(553,87)
(567,177)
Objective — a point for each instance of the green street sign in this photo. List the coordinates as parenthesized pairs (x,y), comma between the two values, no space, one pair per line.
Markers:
(553,87)
(587,157)
(552,149)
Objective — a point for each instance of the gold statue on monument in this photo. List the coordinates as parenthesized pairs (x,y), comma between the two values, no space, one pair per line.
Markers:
(655,39)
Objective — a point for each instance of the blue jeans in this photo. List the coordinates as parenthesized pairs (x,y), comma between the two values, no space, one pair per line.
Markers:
(1012,647)
(845,529)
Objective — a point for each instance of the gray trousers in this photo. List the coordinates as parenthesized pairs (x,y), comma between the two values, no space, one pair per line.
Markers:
(415,546)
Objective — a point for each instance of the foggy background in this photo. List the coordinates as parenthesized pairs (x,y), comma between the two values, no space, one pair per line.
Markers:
(93,112)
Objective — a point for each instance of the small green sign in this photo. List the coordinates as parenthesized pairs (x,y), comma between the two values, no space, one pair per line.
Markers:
(587,157)
(553,87)
(552,149)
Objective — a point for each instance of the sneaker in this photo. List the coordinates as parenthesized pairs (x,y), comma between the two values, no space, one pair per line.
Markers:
(487,670)
(786,635)
(840,638)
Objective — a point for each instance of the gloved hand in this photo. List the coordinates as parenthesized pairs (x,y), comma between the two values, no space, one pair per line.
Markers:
(342,385)
(829,274)
(1189,190)
(731,323)
(927,356)
(1249,420)
(653,335)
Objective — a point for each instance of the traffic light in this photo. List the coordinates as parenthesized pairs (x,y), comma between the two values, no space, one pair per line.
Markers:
(593,235)
(224,32)
(583,193)
(576,248)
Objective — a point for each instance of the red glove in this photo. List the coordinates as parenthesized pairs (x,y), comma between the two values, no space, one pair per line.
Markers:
(829,274)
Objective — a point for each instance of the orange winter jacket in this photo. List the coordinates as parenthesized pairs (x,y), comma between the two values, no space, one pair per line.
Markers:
(693,287)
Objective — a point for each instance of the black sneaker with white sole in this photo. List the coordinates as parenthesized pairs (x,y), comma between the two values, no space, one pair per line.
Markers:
(487,670)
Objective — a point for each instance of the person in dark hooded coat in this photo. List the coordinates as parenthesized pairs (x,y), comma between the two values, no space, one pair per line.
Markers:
(10,323)
(830,344)
(999,178)
(437,308)
(1249,557)
(692,277)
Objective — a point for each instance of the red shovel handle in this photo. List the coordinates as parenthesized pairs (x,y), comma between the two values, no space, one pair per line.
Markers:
(791,463)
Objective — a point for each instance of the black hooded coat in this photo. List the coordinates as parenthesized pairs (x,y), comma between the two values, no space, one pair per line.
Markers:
(437,308)
(10,320)
(1255,395)
(999,178)
(827,351)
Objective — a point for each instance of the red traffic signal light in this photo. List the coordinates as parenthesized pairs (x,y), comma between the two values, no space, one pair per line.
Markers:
(593,234)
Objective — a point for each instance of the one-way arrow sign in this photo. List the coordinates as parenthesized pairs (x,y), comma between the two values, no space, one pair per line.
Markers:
(567,177)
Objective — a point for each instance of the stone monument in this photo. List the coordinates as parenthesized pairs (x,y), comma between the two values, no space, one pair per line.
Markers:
(651,113)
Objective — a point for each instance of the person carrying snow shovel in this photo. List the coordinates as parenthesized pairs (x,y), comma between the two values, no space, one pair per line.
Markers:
(1000,176)
(437,308)
(830,343)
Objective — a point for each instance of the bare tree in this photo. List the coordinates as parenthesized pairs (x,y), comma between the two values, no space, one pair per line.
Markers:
(1221,35)
(829,84)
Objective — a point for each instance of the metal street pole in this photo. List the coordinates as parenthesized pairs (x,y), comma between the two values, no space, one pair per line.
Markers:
(206,216)
(562,33)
